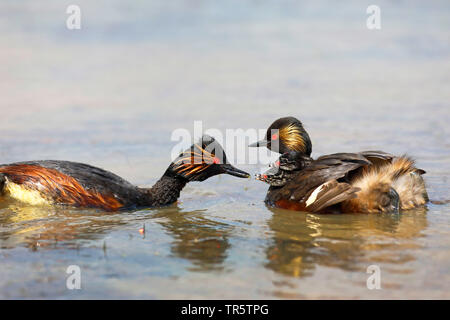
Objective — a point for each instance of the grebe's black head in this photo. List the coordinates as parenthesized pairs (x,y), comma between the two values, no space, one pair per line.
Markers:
(284,135)
(202,160)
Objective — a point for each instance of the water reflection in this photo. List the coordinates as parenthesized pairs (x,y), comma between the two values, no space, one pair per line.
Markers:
(52,227)
(203,241)
(302,241)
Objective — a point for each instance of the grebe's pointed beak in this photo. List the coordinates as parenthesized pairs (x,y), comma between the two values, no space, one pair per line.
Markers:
(229,169)
(261,143)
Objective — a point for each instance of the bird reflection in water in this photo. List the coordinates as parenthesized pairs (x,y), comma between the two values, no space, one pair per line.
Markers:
(52,227)
(203,241)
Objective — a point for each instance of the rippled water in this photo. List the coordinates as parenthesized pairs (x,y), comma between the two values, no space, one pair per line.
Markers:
(111,94)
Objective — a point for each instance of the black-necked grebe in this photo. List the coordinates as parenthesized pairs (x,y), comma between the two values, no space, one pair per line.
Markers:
(364,182)
(82,185)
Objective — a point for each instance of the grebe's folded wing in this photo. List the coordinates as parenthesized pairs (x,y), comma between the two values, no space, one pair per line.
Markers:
(378,157)
(328,194)
(318,186)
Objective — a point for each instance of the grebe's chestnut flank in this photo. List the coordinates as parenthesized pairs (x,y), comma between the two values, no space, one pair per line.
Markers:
(82,185)
(364,182)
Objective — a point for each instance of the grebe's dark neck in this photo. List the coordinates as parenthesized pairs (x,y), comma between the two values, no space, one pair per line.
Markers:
(165,191)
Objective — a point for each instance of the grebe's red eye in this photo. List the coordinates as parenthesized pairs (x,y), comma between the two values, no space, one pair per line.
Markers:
(274,136)
(216,160)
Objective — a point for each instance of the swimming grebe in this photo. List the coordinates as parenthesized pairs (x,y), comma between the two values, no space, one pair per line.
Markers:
(364,182)
(82,185)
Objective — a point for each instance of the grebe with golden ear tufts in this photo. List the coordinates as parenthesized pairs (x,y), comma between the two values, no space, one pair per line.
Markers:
(364,182)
